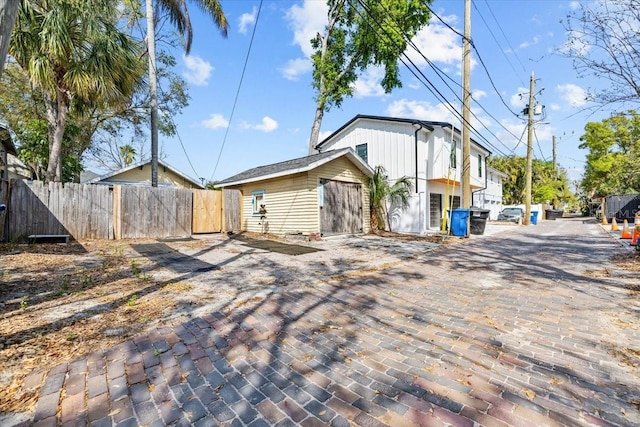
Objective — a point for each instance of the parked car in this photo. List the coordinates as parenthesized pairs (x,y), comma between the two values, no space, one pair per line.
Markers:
(512,215)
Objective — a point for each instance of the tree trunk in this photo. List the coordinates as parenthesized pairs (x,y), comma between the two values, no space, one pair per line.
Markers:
(57,110)
(153,92)
(315,129)
(8,12)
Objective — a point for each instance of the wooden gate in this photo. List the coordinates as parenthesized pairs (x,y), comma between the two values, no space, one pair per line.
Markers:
(341,210)
(207,211)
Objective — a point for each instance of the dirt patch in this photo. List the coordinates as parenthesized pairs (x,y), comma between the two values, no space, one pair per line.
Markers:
(59,302)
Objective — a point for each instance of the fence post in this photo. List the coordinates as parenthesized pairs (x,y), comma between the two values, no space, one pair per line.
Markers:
(117,212)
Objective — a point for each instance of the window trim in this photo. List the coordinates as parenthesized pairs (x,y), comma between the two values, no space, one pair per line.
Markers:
(255,205)
(480,165)
(366,152)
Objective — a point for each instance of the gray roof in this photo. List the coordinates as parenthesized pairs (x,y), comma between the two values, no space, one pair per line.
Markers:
(290,167)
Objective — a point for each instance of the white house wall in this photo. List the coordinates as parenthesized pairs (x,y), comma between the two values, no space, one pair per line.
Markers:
(391,145)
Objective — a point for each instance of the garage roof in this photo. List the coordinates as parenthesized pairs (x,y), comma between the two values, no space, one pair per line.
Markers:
(290,167)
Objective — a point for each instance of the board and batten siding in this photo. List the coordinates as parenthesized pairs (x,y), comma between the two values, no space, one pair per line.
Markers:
(389,144)
(292,201)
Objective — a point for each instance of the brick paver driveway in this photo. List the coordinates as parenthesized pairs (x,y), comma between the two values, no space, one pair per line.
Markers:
(498,330)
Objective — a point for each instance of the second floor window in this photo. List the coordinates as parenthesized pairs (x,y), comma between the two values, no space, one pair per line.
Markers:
(480,165)
(361,150)
(453,159)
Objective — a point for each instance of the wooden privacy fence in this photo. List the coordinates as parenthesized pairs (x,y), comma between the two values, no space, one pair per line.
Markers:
(87,211)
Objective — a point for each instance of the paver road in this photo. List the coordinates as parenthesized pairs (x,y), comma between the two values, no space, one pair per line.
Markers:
(502,329)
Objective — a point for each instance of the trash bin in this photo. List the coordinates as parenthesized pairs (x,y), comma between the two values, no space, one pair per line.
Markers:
(552,214)
(460,222)
(478,219)
(534,217)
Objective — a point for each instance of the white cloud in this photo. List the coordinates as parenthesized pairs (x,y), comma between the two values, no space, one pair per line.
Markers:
(306,20)
(369,83)
(574,95)
(247,19)
(478,94)
(296,67)
(574,5)
(421,110)
(438,43)
(198,70)
(555,107)
(267,125)
(520,99)
(216,121)
(532,42)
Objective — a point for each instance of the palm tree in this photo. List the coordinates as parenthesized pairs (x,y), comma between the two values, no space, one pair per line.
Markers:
(179,16)
(127,154)
(382,194)
(75,54)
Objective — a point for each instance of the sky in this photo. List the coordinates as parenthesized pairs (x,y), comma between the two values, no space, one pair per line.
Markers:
(252,102)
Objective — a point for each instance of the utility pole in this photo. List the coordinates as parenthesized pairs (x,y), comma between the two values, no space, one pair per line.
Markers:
(555,172)
(553,152)
(153,91)
(527,189)
(466,107)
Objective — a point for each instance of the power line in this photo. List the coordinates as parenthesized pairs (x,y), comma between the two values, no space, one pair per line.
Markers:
(507,40)
(235,100)
(439,73)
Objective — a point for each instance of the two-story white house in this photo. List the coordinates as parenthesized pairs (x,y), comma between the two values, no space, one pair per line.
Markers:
(491,197)
(430,153)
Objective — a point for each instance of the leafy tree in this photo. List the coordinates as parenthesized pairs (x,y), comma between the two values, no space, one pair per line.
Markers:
(34,150)
(360,34)
(547,184)
(75,54)
(382,195)
(613,159)
(603,42)
(101,127)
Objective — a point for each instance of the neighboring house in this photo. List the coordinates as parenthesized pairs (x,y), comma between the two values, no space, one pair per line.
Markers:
(430,153)
(491,197)
(140,174)
(11,167)
(321,194)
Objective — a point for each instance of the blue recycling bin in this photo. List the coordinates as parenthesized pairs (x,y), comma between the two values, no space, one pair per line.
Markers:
(534,217)
(460,222)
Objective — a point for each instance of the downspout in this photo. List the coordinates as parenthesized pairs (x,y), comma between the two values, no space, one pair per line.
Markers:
(415,137)
(486,178)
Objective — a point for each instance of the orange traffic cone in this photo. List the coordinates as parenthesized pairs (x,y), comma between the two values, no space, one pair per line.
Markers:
(614,224)
(634,238)
(604,220)
(626,234)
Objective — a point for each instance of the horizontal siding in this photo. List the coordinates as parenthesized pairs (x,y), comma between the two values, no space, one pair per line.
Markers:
(341,169)
(144,175)
(291,203)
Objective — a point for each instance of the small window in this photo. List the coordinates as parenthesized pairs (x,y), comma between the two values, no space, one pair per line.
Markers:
(453,159)
(257,199)
(361,150)
(480,165)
